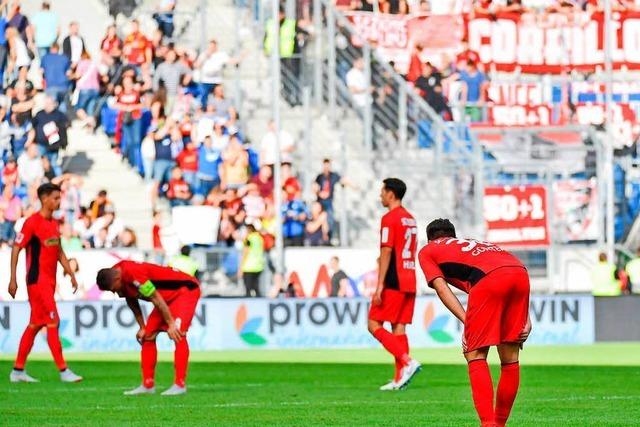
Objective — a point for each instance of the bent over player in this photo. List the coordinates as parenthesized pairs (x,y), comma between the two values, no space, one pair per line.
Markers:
(40,236)
(395,295)
(497,310)
(174,295)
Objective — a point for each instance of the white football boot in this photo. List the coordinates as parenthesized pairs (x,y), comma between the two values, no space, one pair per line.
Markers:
(67,376)
(390,386)
(141,389)
(21,377)
(408,372)
(174,390)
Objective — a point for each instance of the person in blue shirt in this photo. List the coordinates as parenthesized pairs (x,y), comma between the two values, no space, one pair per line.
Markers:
(209,160)
(55,71)
(46,29)
(475,82)
(295,215)
(4,49)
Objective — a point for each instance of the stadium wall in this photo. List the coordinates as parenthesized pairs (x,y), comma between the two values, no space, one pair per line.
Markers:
(240,323)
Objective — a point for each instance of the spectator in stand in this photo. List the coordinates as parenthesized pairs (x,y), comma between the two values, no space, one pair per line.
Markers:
(10,173)
(395,7)
(164,17)
(82,227)
(71,197)
(264,181)
(234,169)
(56,70)
(30,168)
(168,143)
(223,108)
(106,229)
(22,103)
(324,189)
(158,249)
(187,160)
(169,73)
(268,146)
(358,86)
(4,48)
(45,29)
(87,76)
(99,205)
(253,204)
(467,54)
(219,138)
(211,63)
(178,192)
(19,54)
(294,213)
(339,279)
(137,48)
(21,135)
(415,63)
(50,127)
(253,262)
(69,239)
(128,101)
(11,211)
(19,21)
(208,175)
(317,228)
(127,238)
(473,90)
(429,86)
(73,45)
(111,44)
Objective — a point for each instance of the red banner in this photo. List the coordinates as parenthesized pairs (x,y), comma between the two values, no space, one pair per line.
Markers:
(554,43)
(516,216)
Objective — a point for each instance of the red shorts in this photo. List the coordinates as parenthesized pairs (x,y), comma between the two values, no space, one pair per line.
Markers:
(396,307)
(182,306)
(43,305)
(497,308)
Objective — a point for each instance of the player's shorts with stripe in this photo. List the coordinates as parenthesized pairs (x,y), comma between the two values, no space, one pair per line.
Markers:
(43,304)
(497,308)
(396,307)
(182,306)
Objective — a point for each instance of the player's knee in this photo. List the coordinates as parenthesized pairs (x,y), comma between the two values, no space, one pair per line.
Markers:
(398,329)
(481,353)
(373,325)
(150,337)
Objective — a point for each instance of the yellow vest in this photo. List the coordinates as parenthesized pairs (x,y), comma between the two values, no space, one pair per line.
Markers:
(287,38)
(254,262)
(604,281)
(184,264)
(633,270)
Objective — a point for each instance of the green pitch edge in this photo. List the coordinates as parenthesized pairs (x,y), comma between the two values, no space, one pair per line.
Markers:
(603,354)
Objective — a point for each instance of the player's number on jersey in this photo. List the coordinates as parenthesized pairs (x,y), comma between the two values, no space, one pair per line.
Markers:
(408,243)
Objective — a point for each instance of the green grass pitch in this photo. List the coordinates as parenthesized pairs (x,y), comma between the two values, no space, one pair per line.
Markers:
(561,386)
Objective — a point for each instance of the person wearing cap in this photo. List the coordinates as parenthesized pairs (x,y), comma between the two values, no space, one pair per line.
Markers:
(253,262)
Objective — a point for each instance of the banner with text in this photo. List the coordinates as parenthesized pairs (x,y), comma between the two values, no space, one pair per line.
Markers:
(516,215)
(225,324)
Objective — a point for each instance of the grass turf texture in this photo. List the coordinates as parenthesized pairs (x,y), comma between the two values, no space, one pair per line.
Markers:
(568,386)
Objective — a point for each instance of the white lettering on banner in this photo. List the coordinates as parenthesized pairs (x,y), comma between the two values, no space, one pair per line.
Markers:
(226,324)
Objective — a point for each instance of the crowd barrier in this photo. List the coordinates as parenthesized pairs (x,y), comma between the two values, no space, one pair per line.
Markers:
(237,324)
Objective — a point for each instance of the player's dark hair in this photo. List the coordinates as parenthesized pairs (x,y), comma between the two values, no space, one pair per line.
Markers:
(104,279)
(46,189)
(185,250)
(440,228)
(396,186)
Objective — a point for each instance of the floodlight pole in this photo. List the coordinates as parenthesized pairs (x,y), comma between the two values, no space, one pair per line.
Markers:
(609,146)
(277,176)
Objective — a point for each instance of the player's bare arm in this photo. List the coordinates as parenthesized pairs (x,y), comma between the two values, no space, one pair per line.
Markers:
(13,282)
(64,261)
(385,260)
(448,298)
(134,305)
(172,330)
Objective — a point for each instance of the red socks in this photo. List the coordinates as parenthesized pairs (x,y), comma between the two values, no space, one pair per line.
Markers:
(482,390)
(181,362)
(149,357)
(392,344)
(53,339)
(507,390)
(26,343)
(404,343)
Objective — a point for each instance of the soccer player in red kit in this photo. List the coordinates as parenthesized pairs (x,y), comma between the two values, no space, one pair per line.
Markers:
(174,295)
(40,236)
(497,310)
(395,295)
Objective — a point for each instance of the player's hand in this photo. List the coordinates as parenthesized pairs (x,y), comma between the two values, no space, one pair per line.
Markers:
(13,288)
(464,343)
(74,284)
(525,332)
(377,297)
(140,335)
(174,333)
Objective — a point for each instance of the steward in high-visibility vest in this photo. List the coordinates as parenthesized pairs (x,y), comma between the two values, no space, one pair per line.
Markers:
(603,278)
(184,262)
(633,271)
(287,36)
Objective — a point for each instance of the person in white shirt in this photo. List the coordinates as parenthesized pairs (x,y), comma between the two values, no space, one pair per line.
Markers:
(268,146)
(358,85)
(211,64)
(30,167)
(73,45)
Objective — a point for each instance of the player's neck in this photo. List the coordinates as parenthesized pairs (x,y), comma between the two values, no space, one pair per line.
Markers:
(46,213)
(394,204)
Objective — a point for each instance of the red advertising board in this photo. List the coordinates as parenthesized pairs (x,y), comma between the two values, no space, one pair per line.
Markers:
(516,216)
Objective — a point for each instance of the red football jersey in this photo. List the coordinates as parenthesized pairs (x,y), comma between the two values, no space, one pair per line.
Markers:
(398,231)
(165,280)
(41,238)
(462,262)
